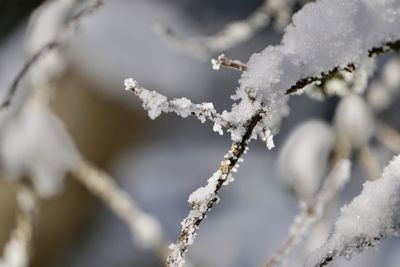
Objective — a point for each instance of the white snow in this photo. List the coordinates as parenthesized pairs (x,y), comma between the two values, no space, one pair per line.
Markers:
(323,35)
(36,144)
(15,254)
(370,217)
(156,103)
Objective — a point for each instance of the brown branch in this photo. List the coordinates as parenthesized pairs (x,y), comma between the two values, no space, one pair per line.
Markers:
(375,51)
(223,61)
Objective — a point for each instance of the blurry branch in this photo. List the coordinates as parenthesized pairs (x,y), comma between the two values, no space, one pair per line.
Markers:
(233,33)
(389,137)
(314,210)
(18,249)
(144,227)
(22,73)
(369,162)
(71,27)
(223,61)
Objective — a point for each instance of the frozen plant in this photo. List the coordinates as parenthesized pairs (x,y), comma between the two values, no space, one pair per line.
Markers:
(371,216)
(328,48)
(325,38)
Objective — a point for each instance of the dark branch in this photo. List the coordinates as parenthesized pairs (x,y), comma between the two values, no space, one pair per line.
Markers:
(375,51)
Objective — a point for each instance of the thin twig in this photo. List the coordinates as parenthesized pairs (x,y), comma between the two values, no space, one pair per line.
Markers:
(389,137)
(155,103)
(27,66)
(234,33)
(200,208)
(223,61)
(369,162)
(323,76)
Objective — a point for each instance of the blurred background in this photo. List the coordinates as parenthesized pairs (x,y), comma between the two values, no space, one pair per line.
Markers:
(161,162)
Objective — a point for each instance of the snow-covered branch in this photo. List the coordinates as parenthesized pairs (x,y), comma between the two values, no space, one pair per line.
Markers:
(299,60)
(375,51)
(371,216)
(204,198)
(156,103)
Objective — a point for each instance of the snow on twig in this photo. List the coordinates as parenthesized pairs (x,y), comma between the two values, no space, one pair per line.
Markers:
(233,33)
(336,26)
(371,216)
(156,103)
(203,199)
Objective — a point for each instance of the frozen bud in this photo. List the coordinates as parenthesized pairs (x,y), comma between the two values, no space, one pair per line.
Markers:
(354,121)
(391,74)
(303,160)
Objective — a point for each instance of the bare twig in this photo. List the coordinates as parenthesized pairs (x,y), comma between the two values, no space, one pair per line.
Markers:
(233,33)
(144,228)
(389,137)
(223,61)
(313,211)
(369,162)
